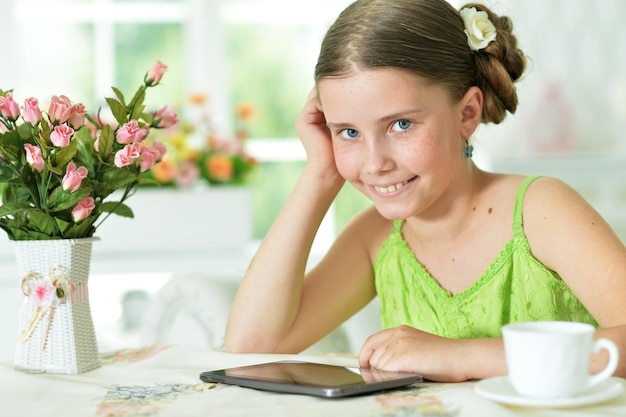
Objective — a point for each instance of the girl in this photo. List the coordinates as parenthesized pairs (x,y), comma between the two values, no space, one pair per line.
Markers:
(452,252)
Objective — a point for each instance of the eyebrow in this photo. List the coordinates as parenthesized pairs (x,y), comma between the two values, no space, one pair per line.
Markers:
(337,125)
(394,116)
(400,115)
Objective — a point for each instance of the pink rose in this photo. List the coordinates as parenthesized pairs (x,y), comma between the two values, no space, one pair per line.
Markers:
(165,117)
(30,111)
(83,209)
(149,156)
(76,118)
(8,107)
(61,135)
(131,132)
(33,156)
(161,148)
(60,109)
(154,75)
(73,177)
(126,155)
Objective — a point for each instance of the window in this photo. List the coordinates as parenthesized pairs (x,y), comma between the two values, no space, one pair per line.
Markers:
(271,57)
(258,51)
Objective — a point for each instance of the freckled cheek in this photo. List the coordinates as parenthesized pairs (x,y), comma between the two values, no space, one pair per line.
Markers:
(419,155)
(347,163)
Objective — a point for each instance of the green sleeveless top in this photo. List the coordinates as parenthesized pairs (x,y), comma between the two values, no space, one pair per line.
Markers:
(516,287)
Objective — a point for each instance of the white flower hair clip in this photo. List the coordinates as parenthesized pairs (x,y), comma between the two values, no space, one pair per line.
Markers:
(478,28)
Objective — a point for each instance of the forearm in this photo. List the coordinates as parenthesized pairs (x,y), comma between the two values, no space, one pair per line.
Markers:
(481,358)
(599,360)
(485,358)
(268,298)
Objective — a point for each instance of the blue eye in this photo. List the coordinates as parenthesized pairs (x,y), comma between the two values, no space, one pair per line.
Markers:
(349,133)
(401,125)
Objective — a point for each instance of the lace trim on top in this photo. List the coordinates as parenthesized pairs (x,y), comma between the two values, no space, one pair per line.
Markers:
(517,241)
(515,287)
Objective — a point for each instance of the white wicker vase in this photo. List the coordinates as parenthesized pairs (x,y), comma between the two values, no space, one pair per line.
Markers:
(55,337)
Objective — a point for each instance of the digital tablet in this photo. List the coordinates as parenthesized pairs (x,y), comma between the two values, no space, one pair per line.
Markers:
(329,381)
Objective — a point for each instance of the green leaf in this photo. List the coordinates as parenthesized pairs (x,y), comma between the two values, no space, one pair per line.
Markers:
(7,172)
(10,209)
(118,110)
(61,199)
(119,95)
(26,132)
(72,230)
(63,225)
(17,192)
(44,138)
(114,178)
(55,170)
(41,222)
(118,208)
(139,97)
(12,145)
(21,234)
(7,229)
(105,143)
(66,154)
(85,151)
(148,118)
(137,112)
(147,180)
(80,229)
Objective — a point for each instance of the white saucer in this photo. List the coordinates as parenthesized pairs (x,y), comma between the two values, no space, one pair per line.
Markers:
(500,389)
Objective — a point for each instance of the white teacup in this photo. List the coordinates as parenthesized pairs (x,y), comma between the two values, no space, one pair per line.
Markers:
(550,359)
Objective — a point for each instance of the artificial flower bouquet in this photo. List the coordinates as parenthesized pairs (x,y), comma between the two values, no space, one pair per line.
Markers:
(197,152)
(58,168)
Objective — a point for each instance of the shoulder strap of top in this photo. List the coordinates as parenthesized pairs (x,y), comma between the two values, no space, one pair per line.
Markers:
(519,203)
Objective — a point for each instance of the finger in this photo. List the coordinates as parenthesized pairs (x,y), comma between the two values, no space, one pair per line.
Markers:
(311,114)
(364,357)
(313,111)
(379,356)
(370,346)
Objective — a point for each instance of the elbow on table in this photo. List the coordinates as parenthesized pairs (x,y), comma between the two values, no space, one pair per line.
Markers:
(249,344)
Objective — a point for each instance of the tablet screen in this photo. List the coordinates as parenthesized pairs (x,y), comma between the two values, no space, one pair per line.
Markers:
(311,379)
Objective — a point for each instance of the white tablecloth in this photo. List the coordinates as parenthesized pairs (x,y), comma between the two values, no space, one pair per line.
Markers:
(162,381)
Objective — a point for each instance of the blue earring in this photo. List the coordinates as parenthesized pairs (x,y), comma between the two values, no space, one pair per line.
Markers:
(468,149)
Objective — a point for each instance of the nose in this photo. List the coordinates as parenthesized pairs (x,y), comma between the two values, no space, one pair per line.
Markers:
(377,157)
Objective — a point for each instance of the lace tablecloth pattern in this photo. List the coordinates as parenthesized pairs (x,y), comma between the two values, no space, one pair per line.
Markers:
(163,381)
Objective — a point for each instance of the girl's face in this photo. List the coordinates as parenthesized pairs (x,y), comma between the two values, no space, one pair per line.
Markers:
(396,138)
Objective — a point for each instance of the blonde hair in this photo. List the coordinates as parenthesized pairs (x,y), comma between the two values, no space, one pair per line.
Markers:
(426,37)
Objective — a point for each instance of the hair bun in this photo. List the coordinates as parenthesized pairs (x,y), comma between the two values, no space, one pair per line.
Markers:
(499,65)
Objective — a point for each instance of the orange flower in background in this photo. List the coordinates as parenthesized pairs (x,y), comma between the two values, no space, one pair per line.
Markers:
(198,99)
(219,159)
(165,171)
(246,111)
(220,168)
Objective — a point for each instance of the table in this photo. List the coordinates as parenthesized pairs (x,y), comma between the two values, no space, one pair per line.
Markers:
(162,381)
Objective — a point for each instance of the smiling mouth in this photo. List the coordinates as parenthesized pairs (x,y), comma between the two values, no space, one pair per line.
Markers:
(392,188)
